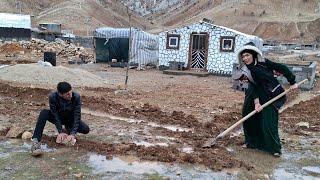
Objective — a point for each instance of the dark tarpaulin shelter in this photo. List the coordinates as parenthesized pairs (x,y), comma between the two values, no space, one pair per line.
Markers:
(114,48)
(113,43)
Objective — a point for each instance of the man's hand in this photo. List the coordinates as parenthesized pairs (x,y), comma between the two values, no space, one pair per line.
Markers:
(257,107)
(70,140)
(61,137)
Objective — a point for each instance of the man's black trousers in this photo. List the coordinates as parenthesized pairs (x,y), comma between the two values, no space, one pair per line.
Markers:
(66,120)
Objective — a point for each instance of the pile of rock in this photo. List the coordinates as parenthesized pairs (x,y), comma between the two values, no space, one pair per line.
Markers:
(37,47)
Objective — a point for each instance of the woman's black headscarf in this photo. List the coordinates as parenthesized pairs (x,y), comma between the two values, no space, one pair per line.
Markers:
(252,52)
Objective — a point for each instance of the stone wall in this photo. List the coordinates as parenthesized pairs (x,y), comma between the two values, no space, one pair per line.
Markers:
(217,62)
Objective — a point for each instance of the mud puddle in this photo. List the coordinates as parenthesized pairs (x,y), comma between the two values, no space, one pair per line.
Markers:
(298,166)
(170,127)
(16,162)
(8,146)
(132,168)
(300,162)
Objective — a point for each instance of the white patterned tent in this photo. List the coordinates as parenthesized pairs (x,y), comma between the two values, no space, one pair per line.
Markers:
(15,26)
(144,46)
(15,21)
(203,46)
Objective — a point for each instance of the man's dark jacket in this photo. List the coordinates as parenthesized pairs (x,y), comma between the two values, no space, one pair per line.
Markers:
(66,112)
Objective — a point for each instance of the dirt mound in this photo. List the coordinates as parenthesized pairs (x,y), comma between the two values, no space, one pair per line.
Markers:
(144,111)
(307,111)
(38,75)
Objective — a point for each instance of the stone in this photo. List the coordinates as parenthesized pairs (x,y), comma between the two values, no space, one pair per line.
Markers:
(3,128)
(312,170)
(78,176)
(303,124)
(8,168)
(121,86)
(14,132)
(121,92)
(69,143)
(26,135)
(315,142)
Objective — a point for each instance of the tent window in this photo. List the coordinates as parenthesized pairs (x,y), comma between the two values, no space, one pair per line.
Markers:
(227,43)
(173,41)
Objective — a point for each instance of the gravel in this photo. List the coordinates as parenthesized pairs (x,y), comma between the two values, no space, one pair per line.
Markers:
(38,75)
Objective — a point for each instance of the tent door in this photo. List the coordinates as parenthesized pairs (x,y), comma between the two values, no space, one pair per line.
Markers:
(198,51)
(113,48)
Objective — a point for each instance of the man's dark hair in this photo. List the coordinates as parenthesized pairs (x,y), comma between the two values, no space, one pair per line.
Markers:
(63,87)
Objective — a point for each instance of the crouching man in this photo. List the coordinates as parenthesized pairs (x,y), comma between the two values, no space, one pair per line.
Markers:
(65,109)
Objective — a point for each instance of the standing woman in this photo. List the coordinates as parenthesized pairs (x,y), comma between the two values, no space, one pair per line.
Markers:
(261,130)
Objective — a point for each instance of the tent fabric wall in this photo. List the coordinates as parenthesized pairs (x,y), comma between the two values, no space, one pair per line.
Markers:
(144,46)
(19,34)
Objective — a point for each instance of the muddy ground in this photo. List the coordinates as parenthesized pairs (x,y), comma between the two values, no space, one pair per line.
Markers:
(162,118)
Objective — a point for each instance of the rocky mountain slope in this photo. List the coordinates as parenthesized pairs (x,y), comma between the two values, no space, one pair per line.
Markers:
(288,21)
(81,16)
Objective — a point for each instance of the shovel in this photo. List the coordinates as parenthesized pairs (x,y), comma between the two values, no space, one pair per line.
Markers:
(212,141)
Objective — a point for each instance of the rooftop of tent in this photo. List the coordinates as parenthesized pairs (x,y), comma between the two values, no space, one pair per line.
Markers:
(110,32)
(8,20)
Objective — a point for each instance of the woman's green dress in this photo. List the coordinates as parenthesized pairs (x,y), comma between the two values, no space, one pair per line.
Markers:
(261,130)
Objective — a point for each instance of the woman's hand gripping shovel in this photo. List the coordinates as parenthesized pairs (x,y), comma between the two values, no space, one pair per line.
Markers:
(211,142)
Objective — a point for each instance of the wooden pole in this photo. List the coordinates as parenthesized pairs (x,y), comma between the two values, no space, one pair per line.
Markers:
(129,52)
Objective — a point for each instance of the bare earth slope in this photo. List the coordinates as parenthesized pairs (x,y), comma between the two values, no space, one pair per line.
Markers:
(78,15)
(289,21)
